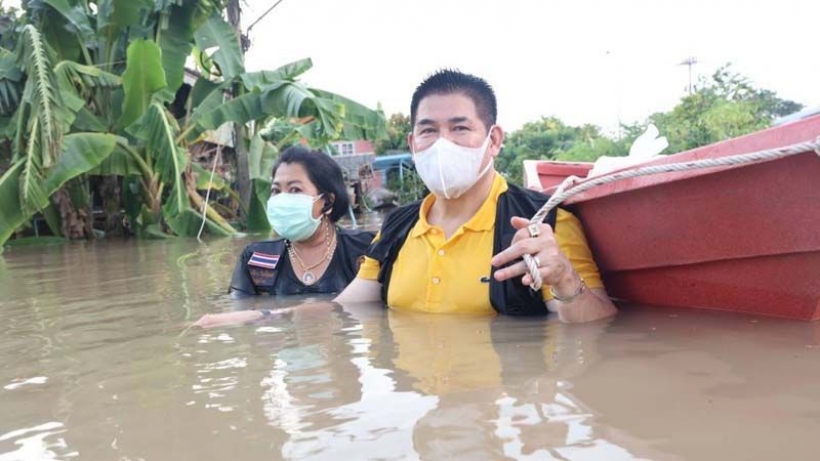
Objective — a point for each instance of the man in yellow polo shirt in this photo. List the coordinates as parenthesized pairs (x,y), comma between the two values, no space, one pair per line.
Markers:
(460,250)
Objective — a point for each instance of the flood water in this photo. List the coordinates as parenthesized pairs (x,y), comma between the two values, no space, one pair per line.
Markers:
(96,364)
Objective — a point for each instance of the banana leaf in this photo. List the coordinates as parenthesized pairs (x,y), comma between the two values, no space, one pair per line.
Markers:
(288,100)
(176,41)
(218,33)
(117,15)
(143,77)
(11,214)
(186,222)
(264,79)
(360,122)
(75,14)
(80,153)
(159,130)
(203,179)
(261,157)
(119,163)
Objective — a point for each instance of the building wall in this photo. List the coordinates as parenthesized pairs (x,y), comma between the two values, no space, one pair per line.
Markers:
(353,147)
(363,147)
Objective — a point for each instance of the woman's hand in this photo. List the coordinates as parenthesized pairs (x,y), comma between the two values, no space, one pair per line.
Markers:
(228,318)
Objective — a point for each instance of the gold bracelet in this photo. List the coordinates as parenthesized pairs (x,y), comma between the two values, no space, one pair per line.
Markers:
(582,287)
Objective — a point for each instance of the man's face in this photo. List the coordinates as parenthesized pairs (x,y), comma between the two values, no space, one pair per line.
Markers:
(451,116)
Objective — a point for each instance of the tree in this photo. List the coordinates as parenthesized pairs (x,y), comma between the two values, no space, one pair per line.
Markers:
(551,139)
(724,106)
(102,95)
(398,127)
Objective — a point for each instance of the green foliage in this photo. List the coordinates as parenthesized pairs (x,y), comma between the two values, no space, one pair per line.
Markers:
(80,153)
(722,107)
(74,13)
(262,156)
(398,127)
(159,130)
(288,73)
(725,106)
(318,117)
(143,77)
(408,186)
(355,121)
(12,215)
(94,92)
(11,78)
(218,33)
(42,119)
(551,139)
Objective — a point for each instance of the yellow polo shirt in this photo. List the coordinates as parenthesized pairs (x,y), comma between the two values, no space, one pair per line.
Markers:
(434,274)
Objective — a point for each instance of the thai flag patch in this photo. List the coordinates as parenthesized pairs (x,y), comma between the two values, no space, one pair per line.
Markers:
(263,260)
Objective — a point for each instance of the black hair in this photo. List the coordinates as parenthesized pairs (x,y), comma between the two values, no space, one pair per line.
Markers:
(324,173)
(449,81)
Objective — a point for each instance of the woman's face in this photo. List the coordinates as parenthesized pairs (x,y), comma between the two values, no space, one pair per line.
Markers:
(291,178)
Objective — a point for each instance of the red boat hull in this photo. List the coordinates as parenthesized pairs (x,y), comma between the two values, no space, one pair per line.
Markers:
(743,238)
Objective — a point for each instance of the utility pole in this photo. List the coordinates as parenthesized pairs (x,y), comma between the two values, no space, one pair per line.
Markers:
(689,62)
(240,133)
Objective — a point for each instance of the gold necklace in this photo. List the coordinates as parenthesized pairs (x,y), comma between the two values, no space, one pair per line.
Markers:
(308,278)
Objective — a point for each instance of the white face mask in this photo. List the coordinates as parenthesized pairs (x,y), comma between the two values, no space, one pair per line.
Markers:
(450,170)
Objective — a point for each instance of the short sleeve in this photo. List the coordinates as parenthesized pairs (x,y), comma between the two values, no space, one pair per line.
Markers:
(241,282)
(369,269)
(569,234)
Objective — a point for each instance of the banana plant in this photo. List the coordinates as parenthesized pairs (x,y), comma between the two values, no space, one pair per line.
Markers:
(108,79)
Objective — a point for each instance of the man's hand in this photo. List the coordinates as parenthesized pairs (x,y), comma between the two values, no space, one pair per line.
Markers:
(555,270)
(553,266)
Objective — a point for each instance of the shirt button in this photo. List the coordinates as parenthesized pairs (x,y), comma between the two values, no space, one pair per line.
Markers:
(441,252)
(436,280)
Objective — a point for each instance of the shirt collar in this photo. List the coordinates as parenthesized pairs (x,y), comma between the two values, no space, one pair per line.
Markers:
(483,220)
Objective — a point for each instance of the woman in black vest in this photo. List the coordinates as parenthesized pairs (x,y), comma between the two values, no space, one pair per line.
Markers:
(313,255)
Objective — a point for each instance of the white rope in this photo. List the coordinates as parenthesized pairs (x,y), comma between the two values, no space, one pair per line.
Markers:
(208,194)
(572,186)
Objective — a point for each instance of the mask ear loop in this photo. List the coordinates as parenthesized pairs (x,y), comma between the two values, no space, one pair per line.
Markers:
(492,160)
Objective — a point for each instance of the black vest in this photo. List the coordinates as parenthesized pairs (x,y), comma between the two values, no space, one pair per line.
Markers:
(509,297)
(248,279)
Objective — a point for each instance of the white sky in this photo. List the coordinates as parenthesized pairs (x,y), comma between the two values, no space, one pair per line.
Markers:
(585,61)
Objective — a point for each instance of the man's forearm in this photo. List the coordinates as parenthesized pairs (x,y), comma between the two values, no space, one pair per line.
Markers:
(593,304)
(360,291)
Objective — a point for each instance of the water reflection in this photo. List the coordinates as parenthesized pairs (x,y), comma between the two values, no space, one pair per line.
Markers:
(458,388)
(502,383)
(94,364)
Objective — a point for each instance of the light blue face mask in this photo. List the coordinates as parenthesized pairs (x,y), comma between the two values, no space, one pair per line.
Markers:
(291,215)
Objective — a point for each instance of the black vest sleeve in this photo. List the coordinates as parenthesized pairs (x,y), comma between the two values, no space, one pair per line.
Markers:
(241,283)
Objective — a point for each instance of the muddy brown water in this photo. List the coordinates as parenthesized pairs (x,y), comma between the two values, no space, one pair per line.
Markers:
(96,364)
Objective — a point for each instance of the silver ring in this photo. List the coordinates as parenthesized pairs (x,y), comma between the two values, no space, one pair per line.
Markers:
(534,230)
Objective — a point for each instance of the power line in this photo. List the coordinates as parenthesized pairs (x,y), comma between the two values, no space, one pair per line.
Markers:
(263,15)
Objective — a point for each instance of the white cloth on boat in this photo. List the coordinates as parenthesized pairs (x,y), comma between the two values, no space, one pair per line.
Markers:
(646,147)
